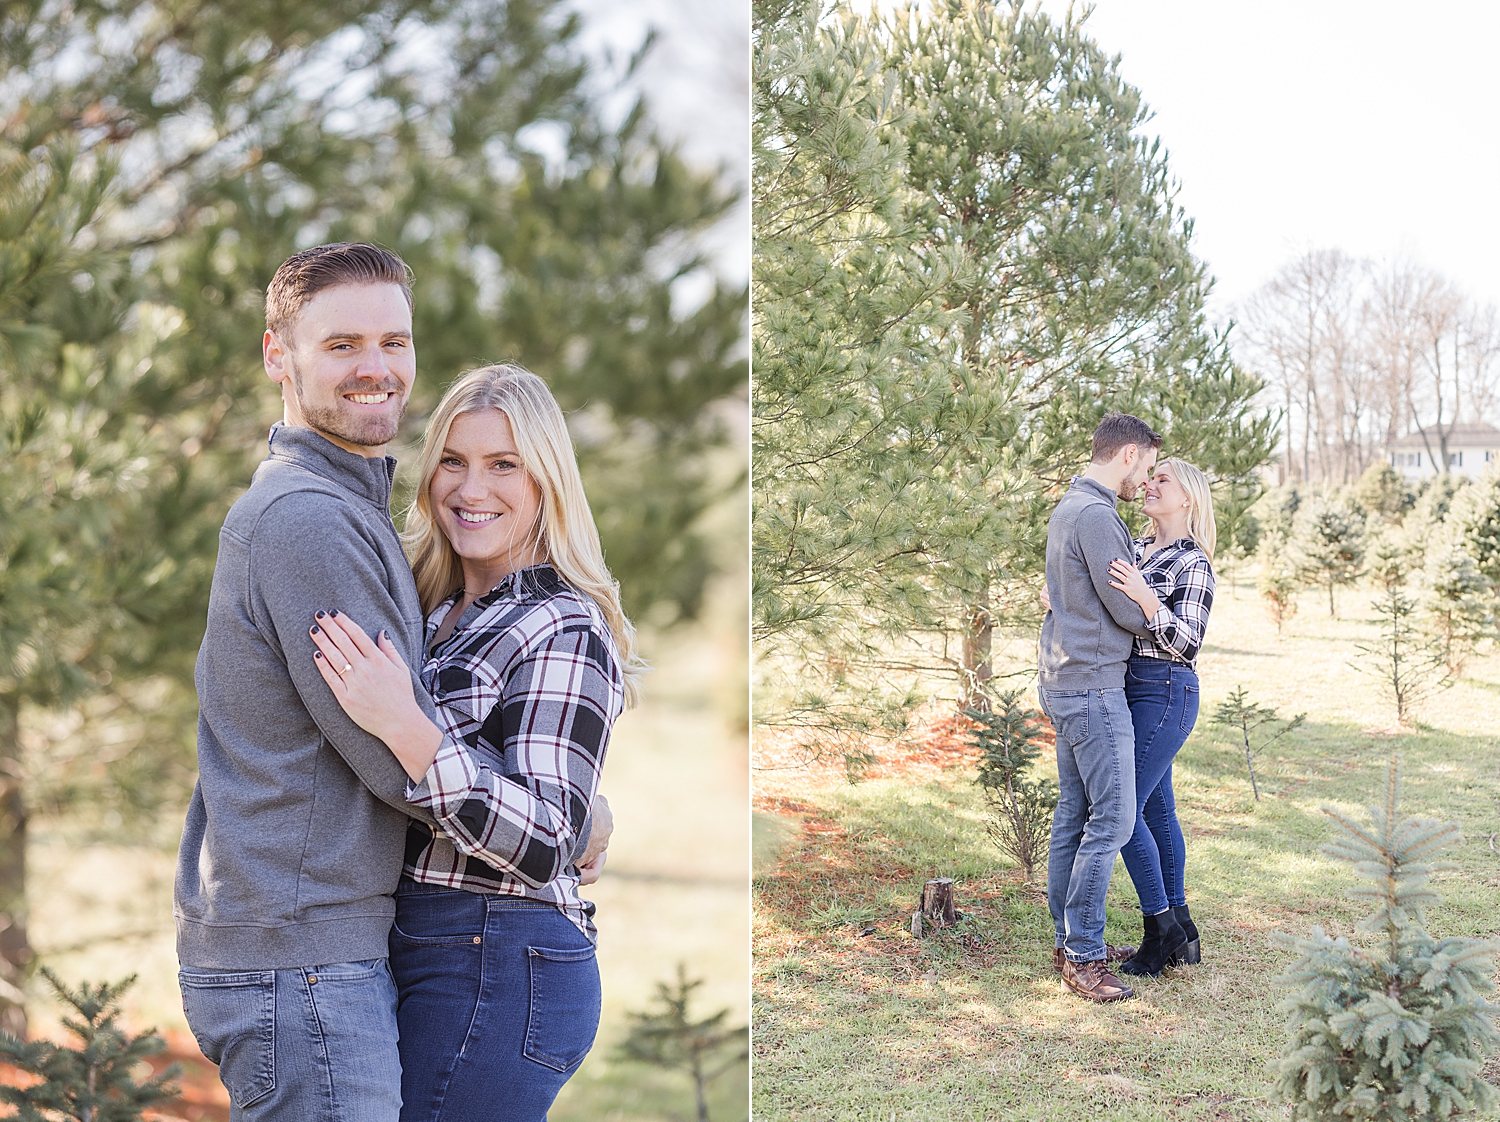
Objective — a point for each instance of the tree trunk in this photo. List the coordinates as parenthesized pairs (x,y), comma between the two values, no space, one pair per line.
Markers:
(15,950)
(975,664)
(937,902)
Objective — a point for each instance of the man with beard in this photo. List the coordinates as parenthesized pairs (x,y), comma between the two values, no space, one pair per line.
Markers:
(1086,642)
(296,831)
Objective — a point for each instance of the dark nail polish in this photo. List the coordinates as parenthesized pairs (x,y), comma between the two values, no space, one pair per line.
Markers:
(320,615)
(333,611)
(316,629)
(317,654)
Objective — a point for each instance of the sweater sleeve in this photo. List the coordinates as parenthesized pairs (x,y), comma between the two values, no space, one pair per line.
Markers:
(307,554)
(1102,537)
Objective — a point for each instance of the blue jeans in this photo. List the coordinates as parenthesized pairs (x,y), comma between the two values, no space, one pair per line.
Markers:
(1094,816)
(314,1044)
(499,1003)
(1163,699)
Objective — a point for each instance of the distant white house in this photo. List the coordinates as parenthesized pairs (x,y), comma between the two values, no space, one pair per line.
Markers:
(1471,451)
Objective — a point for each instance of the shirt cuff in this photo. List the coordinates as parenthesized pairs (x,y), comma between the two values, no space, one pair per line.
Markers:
(446,786)
(1158,623)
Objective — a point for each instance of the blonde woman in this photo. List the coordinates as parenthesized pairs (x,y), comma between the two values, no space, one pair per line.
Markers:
(1173,582)
(530,660)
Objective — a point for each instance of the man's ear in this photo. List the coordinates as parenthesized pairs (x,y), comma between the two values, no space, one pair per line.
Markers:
(274,354)
(1132,452)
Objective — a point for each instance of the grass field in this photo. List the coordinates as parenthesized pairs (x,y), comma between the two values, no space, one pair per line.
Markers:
(674,890)
(970,1023)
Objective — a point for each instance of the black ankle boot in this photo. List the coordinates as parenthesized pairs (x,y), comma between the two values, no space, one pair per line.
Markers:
(1192,951)
(1164,938)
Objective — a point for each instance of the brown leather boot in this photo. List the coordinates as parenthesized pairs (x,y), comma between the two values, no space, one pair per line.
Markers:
(1093,980)
(1112,953)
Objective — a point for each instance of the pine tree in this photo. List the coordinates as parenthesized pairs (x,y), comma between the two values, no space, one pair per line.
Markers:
(1407,663)
(1249,719)
(1456,605)
(667,1036)
(1328,541)
(1277,582)
(1382,493)
(1473,521)
(954,281)
(96,1081)
(1396,1030)
(1008,737)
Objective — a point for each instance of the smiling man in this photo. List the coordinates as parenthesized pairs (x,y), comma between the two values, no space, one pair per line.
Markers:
(295,835)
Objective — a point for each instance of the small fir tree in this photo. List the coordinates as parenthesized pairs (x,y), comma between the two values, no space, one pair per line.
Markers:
(1328,540)
(1020,810)
(668,1037)
(1430,510)
(1382,493)
(1277,582)
(1456,606)
(94,1082)
(1399,1030)
(1473,519)
(1238,712)
(1408,663)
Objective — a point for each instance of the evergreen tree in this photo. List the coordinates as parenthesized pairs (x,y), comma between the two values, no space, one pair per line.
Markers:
(955,280)
(1250,720)
(1328,541)
(1397,1030)
(1430,510)
(1278,580)
(1473,521)
(1020,809)
(667,1036)
(1407,663)
(1382,493)
(848,380)
(1080,293)
(1456,605)
(96,1081)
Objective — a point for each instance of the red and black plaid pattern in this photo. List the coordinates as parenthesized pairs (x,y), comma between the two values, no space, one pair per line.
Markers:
(527,687)
(1182,577)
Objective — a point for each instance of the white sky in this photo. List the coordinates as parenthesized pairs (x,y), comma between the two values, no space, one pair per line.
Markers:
(696,80)
(1369,127)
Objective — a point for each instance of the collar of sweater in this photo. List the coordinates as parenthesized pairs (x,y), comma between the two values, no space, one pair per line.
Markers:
(368,477)
(1108,494)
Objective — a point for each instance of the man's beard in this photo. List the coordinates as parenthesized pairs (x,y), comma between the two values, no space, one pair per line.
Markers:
(341,421)
(1128,490)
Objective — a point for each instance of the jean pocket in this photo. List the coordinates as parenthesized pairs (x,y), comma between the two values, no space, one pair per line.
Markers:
(439,919)
(564,1013)
(233,1018)
(1189,708)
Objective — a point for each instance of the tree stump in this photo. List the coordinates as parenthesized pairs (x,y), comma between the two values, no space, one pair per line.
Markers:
(937,902)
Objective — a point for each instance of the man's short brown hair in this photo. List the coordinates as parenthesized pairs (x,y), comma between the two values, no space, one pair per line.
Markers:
(1118,430)
(303,275)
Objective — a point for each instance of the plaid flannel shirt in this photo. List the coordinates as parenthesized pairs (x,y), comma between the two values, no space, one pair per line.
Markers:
(527,688)
(1183,579)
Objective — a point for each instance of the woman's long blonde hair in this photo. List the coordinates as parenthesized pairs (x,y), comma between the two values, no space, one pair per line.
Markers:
(1200,521)
(566,532)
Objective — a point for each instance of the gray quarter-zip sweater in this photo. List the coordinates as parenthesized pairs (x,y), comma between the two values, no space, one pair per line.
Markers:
(294,837)
(1086,637)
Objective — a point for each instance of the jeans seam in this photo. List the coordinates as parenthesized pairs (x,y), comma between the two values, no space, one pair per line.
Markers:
(321,1039)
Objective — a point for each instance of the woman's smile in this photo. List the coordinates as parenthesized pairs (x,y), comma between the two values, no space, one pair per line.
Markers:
(485,500)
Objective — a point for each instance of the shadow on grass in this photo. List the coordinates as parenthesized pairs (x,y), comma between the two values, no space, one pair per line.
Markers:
(971,1023)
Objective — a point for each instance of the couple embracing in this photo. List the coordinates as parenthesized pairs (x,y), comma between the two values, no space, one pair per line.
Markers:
(377,888)
(1117,679)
